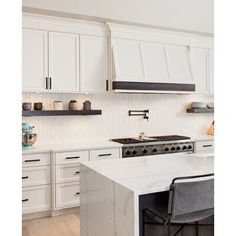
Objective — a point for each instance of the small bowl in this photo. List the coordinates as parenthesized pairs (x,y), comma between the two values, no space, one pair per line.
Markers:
(198,105)
(38,106)
(27,106)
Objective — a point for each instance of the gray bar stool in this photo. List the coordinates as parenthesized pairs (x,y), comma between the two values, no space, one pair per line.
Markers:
(191,199)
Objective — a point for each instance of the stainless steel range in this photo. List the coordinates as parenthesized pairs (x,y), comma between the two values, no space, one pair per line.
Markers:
(155,145)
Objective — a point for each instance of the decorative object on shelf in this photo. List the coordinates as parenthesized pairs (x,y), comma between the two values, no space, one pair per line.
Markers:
(61,113)
(198,105)
(38,106)
(26,106)
(87,105)
(211,129)
(58,105)
(200,110)
(139,113)
(28,137)
(75,105)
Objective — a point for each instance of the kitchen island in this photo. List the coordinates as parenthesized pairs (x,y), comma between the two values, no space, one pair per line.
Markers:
(114,192)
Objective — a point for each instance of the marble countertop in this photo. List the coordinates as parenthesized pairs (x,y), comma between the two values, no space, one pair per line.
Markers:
(151,174)
(72,147)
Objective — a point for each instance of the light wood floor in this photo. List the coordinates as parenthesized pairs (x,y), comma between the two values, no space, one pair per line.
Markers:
(64,225)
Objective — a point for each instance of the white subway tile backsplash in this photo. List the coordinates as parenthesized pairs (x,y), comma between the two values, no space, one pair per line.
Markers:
(167,116)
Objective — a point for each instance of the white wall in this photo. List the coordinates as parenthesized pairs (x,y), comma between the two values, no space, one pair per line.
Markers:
(167,116)
(193,15)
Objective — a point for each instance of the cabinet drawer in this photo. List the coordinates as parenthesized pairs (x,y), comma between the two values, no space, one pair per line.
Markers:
(71,157)
(36,176)
(205,145)
(67,173)
(104,154)
(35,199)
(41,159)
(67,195)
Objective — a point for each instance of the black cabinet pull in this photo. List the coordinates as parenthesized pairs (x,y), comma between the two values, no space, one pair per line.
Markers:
(25,177)
(105,154)
(72,157)
(77,193)
(32,160)
(77,172)
(25,200)
(50,82)
(47,83)
(107,85)
(207,145)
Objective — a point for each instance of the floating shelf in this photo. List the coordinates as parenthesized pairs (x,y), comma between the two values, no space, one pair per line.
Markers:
(62,113)
(200,110)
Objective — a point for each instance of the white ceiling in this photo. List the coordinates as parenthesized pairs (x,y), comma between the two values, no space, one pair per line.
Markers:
(190,15)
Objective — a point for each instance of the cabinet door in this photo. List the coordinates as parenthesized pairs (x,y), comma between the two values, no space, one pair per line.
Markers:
(63,62)
(211,72)
(178,58)
(34,60)
(199,68)
(155,62)
(104,154)
(93,63)
(128,60)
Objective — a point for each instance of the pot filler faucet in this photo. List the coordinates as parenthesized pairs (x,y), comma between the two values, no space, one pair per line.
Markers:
(142,113)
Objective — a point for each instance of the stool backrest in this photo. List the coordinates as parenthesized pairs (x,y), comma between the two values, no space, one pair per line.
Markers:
(191,194)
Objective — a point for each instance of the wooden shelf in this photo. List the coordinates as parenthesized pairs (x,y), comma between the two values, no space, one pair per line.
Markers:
(200,110)
(62,113)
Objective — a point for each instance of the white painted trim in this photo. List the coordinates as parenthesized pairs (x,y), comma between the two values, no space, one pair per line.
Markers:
(58,24)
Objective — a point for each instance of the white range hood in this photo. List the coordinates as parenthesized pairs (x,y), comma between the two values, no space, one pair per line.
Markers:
(151,61)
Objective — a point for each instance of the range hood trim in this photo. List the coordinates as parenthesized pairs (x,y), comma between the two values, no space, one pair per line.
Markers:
(143,86)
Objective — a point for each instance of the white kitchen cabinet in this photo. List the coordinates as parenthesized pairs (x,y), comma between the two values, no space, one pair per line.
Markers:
(211,71)
(63,62)
(71,157)
(36,199)
(202,146)
(199,67)
(93,63)
(39,159)
(67,195)
(34,59)
(39,175)
(104,154)
(128,60)
(67,173)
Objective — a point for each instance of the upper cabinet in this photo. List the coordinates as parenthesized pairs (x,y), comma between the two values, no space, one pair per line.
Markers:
(34,59)
(65,56)
(63,62)
(94,73)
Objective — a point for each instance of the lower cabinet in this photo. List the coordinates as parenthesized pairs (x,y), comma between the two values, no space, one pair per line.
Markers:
(36,199)
(104,154)
(202,146)
(67,195)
